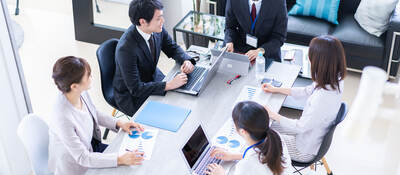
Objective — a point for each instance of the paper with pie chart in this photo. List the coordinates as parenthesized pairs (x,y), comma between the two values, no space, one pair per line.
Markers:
(143,142)
(228,138)
(251,93)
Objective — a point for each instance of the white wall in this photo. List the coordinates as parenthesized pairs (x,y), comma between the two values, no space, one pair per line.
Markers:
(13,106)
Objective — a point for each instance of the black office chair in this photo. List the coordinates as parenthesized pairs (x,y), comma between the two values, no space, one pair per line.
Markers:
(326,143)
(106,58)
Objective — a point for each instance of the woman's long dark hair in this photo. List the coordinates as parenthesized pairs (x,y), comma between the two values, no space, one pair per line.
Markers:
(253,118)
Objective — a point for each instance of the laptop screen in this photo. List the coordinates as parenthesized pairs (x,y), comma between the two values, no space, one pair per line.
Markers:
(195,146)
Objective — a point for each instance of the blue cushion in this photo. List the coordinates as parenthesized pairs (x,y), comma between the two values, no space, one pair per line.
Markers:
(323,9)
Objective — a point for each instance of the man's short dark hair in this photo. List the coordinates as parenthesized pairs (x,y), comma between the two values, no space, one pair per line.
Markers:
(143,9)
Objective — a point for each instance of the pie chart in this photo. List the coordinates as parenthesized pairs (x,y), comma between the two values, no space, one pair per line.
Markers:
(222,139)
(147,135)
(234,143)
(134,135)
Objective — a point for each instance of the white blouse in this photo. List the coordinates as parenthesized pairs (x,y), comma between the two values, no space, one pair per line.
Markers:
(319,113)
(251,165)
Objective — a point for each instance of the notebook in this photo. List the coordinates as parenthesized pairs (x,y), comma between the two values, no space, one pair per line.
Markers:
(162,116)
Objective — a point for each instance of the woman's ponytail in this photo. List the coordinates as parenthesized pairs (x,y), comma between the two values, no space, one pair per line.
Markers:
(270,152)
(253,118)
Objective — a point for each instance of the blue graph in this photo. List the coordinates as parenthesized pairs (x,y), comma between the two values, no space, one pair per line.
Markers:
(234,143)
(222,139)
(250,93)
(147,135)
(134,135)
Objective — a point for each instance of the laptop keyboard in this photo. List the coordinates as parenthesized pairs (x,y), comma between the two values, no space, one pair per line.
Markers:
(193,77)
(207,159)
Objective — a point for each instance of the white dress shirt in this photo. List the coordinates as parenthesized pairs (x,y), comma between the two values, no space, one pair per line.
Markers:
(70,135)
(251,165)
(318,115)
(257,3)
(145,36)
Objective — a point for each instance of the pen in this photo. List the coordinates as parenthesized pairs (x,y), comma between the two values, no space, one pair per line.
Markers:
(132,151)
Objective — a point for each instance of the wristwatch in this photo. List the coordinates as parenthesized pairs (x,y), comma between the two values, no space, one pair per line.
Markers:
(261,50)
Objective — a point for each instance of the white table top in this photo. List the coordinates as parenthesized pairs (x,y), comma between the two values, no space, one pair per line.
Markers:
(211,108)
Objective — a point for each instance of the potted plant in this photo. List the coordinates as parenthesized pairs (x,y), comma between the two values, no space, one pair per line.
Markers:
(197,27)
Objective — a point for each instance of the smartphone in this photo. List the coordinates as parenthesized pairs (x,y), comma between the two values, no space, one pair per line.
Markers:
(273,82)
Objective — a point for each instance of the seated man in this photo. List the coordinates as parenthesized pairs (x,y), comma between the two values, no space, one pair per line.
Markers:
(256,25)
(137,53)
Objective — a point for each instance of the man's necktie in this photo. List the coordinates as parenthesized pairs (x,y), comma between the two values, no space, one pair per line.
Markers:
(253,12)
(152,47)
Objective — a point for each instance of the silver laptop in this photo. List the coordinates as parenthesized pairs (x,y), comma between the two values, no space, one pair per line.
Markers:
(196,152)
(201,76)
(233,62)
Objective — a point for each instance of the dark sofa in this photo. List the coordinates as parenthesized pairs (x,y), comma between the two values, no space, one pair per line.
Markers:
(362,49)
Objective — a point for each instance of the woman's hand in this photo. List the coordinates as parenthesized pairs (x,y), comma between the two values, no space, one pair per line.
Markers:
(215,169)
(272,115)
(129,126)
(268,88)
(131,158)
(222,154)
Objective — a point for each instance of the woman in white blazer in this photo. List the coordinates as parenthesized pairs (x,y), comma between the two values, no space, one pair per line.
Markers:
(324,96)
(75,138)
(266,153)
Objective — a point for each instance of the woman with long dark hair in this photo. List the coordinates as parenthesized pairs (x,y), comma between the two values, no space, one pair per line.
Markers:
(266,152)
(75,137)
(324,96)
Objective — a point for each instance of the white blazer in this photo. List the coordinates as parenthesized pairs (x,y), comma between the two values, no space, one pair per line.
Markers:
(319,113)
(251,165)
(71,131)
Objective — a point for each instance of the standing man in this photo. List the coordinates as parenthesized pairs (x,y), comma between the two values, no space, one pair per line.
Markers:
(137,53)
(256,25)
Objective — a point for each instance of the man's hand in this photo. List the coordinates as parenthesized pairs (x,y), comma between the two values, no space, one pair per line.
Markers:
(229,47)
(252,54)
(187,67)
(178,81)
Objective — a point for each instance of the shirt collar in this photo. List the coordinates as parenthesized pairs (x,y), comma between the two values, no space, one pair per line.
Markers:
(257,2)
(145,36)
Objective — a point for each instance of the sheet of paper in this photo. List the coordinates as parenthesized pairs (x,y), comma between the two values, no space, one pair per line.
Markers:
(228,138)
(251,93)
(143,142)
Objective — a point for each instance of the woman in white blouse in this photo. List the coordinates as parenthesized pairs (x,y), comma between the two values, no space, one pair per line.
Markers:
(266,153)
(324,96)
(75,137)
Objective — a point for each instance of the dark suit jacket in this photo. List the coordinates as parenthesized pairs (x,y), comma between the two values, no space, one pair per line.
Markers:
(136,74)
(270,27)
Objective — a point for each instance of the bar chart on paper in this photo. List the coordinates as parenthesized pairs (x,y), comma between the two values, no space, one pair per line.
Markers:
(143,142)
(251,93)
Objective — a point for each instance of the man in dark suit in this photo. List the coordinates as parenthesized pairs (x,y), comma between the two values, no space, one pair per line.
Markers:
(137,53)
(256,25)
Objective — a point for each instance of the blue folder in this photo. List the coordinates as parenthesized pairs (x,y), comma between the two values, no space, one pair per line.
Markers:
(163,116)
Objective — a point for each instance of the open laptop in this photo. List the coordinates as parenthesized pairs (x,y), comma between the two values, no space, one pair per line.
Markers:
(237,63)
(196,152)
(233,62)
(201,75)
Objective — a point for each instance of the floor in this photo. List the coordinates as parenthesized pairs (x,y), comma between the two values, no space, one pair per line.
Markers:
(49,35)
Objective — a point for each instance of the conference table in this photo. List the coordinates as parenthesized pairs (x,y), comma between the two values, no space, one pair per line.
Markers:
(210,109)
